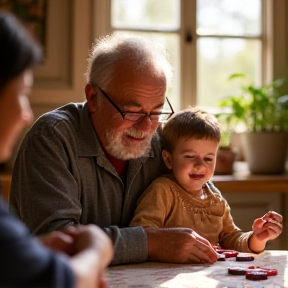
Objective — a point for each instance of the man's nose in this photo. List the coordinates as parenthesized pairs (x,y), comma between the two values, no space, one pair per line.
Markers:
(145,123)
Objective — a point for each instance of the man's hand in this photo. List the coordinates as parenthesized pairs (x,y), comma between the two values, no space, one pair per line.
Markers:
(179,245)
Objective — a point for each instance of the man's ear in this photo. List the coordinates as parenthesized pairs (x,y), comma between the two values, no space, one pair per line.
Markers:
(167,158)
(91,96)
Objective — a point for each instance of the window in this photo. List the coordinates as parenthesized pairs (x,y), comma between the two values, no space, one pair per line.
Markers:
(229,40)
(208,40)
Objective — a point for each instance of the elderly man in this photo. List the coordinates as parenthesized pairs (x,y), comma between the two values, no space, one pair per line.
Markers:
(89,162)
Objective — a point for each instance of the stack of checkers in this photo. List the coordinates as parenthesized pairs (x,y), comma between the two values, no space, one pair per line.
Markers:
(253,272)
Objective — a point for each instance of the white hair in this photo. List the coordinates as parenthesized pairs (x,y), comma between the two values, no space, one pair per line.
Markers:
(142,52)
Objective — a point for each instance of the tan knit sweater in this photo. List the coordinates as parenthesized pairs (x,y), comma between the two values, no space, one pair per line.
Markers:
(165,204)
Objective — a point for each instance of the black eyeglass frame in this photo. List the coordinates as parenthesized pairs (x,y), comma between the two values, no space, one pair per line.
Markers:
(123,113)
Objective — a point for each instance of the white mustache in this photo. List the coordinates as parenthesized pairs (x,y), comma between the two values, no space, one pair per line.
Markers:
(136,134)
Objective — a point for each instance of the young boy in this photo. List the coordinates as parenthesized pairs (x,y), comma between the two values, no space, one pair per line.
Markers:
(187,198)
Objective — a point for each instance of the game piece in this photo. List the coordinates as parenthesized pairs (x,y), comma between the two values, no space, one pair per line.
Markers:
(243,258)
(256,275)
(268,271)
(227,252)
(221,257)
(236,270)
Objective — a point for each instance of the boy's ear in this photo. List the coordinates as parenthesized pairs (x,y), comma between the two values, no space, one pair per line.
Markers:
(167,159)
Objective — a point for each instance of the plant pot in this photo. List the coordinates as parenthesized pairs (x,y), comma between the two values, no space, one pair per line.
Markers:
(265,152)
(225,161)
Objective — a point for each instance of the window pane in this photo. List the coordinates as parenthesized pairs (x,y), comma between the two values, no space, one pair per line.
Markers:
(229,17)
(217,59)
(148,14)
(171,42)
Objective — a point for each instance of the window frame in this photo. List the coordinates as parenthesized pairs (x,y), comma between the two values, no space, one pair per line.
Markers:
(274,42)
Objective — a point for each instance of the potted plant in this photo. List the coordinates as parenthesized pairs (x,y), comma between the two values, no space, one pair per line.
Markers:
(262,112)
(226,154)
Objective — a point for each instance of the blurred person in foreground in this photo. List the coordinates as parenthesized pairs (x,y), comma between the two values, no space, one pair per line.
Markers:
(75,257)
(186,197)
(89,162)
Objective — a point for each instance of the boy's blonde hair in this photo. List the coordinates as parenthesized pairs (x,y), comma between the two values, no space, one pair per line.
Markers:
(190,123)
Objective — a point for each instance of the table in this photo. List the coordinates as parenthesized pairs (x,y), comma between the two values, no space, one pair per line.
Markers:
(155,274)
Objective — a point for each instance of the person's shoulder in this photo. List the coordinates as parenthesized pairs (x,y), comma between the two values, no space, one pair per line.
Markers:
(159,187)
(62,122)
(215,191)
(212,187)
(165,182)
(68,114)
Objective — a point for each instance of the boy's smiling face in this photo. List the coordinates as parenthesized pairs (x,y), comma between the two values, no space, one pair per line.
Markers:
(192,162)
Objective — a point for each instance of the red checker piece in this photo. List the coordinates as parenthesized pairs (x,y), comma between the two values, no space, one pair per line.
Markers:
(221,257)
(227,252)
(241,258)
(256,275)
(236,270)
(268,271)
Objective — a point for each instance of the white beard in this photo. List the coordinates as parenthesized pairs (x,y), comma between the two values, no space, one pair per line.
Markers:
(124,149)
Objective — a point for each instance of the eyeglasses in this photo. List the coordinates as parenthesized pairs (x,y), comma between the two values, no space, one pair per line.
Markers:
(160,117)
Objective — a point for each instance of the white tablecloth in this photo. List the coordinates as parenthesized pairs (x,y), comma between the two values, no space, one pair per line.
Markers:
(155,274)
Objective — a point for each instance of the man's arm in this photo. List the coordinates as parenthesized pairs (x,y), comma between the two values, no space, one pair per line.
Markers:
(50,198)
(130,244)
(179,245)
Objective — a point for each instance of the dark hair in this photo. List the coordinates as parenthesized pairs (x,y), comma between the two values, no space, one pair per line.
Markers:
(18,50)
(190,123)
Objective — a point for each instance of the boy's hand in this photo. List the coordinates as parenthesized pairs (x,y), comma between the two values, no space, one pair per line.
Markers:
(268,227)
